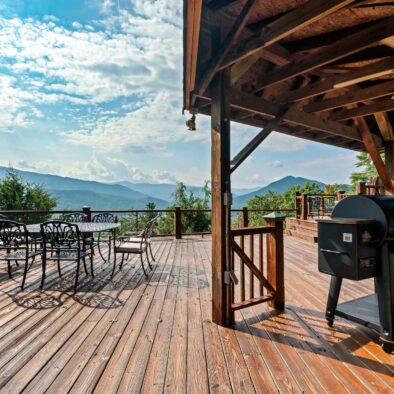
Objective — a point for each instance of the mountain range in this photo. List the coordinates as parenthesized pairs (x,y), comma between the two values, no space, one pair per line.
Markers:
(73,193)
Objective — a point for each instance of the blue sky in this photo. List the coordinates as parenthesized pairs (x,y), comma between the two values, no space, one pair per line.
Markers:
(93,89)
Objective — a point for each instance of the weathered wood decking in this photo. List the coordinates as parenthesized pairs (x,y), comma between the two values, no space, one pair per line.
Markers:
(155,334)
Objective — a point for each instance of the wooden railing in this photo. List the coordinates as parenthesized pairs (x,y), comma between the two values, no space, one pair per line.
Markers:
(308,206)
(139,215)
(260,269)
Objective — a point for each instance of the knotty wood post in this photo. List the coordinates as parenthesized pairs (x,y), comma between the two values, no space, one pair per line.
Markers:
(296,205)
(221,187)
(86,210)
(245,217)
(361,188)
(275,259)
(340,195)
(304,206)
(178,223)
(389,160)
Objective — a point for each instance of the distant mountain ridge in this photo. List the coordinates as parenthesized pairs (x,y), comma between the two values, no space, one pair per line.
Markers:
(278,186)
(73,193)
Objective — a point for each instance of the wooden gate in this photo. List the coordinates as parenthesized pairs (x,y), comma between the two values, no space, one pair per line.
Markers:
(257,269)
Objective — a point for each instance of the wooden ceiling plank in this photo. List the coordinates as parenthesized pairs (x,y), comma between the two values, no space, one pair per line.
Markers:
(352,96)
(219,5)
(331,53)
(365,110)
(282,27)
(385,126)
(257,105)
(374,70)
(230,39)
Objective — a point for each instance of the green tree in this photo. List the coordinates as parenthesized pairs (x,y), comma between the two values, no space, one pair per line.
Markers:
(192,221)
(15,194)
(368,170)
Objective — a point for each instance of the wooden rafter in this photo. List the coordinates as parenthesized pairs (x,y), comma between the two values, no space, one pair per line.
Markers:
(331,53)
(282,27)
(374,70)
(385,127)
(365,110)
(257,105)
(352,96)
(230,39)
(374,153)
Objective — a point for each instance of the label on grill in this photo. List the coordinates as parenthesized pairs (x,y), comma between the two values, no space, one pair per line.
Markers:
(347,237)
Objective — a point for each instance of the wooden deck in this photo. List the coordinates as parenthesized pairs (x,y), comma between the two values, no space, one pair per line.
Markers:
(136,334)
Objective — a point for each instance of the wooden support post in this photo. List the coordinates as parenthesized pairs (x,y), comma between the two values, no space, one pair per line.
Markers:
(389,161)
(304,206)
(275,261)
(245,217)
(221,187)
(361,188)
(340,195)
(178,223)
(321,206)
(297,213)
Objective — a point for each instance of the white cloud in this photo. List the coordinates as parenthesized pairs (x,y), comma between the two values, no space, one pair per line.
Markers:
(98,168)
(277,164)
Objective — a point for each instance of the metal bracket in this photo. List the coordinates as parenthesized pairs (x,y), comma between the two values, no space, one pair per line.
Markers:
(230,277)
(227,199)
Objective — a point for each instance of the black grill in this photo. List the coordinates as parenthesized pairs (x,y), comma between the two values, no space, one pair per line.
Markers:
(358,243)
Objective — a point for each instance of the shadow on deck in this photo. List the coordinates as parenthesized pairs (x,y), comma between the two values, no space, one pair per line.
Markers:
(134,333)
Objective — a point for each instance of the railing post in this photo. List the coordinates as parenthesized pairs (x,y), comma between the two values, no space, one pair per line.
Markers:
(361,188)
(340,195)
(275,259)
(321,206)
(86,210)
(296,205)
(245,217)
(178,223)
(304,206)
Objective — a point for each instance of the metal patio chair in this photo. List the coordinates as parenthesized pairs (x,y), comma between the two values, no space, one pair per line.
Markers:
(126,247)
(15,242)
(62,241)
(103,237)
(148,231)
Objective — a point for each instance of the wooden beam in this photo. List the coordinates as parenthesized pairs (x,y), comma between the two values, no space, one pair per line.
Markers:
(352,96)
(385,127)
(230,39)
(283,27)
(220,180)
(331,53)
(365,110)
(257,105)
(374,70)
(375,155)
(251,146)
(219,5)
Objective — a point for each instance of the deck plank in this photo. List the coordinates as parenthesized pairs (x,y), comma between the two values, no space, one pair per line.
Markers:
(155,334)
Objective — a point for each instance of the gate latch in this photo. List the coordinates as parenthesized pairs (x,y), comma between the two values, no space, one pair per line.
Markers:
(230,277)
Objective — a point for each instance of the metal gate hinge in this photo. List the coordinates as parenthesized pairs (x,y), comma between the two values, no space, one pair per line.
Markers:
(230,277)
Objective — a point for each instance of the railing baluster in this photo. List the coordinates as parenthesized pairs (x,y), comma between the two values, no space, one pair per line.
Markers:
(251,276)
(261,262)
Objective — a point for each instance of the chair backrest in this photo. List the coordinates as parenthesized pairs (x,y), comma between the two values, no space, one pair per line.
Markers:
(60,234)
(151,226)
(105,217)
(13,235)
(75,217)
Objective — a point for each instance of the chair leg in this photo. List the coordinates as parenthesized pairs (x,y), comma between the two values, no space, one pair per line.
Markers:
(147,258)
(25,273)
(9,269)
(109,248)
(77,275)
(44,266)
(151,253)
(113,269)
(84,265)
(91,266)
(58,268)
(142,263)
(121,263)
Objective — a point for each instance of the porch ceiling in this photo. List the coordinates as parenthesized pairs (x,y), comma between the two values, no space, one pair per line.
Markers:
(322,69)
